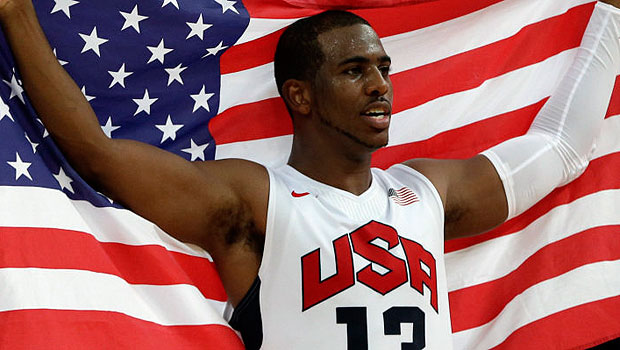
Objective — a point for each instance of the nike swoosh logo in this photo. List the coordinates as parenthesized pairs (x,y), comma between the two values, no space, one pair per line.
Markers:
(297,195)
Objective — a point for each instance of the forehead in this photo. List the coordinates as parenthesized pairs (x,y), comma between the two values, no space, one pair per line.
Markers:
(357,40)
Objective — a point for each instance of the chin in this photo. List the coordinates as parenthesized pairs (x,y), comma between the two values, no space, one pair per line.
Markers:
(379,141)
(374,144)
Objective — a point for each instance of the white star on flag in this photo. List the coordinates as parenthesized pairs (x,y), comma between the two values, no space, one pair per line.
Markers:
(132,19)
(158,52)
(45,133)
(214,50)
(62,63)
(32,144)
(92,41)
(201,99)
(174,74)
(198,28)
(16,88)
(108,127)
(173,2)
(63,5)
(88,97)
(119,76)
(21,167)
(63,180)
(144,103)
(169,129)
(4,110)
(196,151)
(227,5)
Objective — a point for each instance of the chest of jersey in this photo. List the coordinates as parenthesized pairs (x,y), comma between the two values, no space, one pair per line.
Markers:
(353,272)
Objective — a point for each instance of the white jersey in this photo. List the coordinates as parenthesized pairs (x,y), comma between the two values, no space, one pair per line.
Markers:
(341,271)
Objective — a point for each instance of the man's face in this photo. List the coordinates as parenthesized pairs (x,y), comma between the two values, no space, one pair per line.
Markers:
(352,91)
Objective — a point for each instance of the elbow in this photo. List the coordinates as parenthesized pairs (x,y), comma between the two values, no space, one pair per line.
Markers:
(89,158)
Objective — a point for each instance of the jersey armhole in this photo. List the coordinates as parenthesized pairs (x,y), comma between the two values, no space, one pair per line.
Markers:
(247,320)
(271,218)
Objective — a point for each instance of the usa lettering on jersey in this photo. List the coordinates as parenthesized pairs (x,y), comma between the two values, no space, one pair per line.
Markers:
(315,290)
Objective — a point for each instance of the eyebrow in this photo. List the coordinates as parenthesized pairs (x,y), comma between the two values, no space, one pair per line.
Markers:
(362,59)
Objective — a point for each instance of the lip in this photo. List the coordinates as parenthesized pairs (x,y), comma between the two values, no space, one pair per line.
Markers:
(378,122)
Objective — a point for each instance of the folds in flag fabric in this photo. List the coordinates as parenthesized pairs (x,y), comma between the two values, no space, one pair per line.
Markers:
(78,271)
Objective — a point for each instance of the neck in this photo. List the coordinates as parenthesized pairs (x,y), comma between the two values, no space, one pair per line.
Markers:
(333,165)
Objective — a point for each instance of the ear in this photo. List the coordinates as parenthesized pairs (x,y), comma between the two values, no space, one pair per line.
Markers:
(296,94)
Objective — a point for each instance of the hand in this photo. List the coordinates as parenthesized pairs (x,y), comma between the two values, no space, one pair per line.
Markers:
(5,5)
(8,7)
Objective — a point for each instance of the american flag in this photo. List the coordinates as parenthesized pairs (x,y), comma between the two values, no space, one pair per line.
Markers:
(403,196)
(196,78)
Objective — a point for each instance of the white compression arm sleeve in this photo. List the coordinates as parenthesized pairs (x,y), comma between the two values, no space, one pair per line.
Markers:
(558,146)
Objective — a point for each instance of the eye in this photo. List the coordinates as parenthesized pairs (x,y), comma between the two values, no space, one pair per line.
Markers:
(354,71)
(385,70)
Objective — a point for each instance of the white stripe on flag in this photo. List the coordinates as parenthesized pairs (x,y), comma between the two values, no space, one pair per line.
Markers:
(491,24)
(486,101)
(554,295)
(607,141)
(497,257)
(50,208)
(35,288)
(259,27)
(271,151)
(235,89)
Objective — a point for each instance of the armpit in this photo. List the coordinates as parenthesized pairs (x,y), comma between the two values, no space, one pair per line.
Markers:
(235,225)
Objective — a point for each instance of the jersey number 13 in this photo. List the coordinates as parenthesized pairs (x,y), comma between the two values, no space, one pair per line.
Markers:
(357,325)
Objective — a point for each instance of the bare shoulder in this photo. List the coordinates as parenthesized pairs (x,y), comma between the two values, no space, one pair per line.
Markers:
(241,174)
(248,180)
(471,190)
(436,170)
(234,164)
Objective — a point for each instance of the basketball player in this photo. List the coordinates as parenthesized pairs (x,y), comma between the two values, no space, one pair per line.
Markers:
(293,244)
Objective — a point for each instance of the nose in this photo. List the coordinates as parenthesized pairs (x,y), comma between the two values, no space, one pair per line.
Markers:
(377,84)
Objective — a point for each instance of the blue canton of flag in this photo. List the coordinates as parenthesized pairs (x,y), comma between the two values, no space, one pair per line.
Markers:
(150,70)
(69,257)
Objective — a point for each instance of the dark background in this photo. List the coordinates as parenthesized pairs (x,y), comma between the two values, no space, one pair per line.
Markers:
(614,344)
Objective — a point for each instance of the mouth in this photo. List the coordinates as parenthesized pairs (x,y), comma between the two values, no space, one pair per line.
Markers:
(378,115)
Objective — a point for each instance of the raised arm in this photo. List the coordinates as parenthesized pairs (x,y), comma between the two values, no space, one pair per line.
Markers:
(481,192)
(217,205)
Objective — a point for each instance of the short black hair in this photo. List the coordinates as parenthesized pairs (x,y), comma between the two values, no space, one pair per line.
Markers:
(299,54)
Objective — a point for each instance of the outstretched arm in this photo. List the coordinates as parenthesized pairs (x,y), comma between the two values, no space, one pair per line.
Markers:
(481,192)
(196,202)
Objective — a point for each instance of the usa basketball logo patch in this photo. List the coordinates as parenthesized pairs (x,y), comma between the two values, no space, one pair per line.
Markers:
(403,196)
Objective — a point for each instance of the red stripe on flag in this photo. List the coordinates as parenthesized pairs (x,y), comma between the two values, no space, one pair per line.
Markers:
(474,306)
(470,69)
(252,121)
(600,175)
(579,327)
(419,15)
(459,143)
(390,21)
(69,329)
(275,9)
(353,3)
(150,264)
(251,54)
(614,103)
(385,21)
